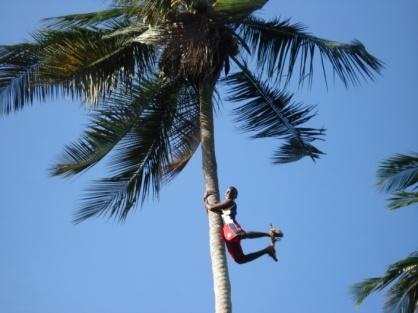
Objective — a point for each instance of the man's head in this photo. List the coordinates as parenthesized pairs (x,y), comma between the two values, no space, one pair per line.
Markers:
(231,193)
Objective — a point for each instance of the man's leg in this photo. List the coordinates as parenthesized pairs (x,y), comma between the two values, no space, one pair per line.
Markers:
(272,233)
(254,234)
(245,258)
(235,250)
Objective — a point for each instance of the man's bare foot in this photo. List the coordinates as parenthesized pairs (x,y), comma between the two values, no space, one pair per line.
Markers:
(275,232)
(272,252)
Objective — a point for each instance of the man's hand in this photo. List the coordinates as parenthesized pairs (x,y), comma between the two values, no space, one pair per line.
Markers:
(207,194)
(206,207)
(205,199)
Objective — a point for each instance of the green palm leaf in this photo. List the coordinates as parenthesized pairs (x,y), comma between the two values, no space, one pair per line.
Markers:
(399,176)
(278,45)
(185,136)
(398,172)
(111,122)
(150,145)
(92,19)
(137,162)
(156,11)
(18,67)
(270,113)
(402,199)
(402,296)
(95,65)
(295,149)
(236,9)
(76,62)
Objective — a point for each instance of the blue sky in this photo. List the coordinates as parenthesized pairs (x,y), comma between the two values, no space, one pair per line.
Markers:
(337,231)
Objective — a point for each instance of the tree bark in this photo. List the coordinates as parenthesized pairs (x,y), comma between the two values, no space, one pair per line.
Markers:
(222,286)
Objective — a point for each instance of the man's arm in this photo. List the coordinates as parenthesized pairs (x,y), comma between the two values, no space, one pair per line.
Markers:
(218,207)
(207,194)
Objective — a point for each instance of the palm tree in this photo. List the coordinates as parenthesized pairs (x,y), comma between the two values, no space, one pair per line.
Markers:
(399,176)
(150,69)
(402,296)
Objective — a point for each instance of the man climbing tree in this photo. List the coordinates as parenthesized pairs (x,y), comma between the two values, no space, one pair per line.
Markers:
(233,232)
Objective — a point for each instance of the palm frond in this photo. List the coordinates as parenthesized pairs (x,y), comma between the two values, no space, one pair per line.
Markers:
(185,136)
(185,5)
(18,66)
(156,11)
(295,150)
(231,10)
(76,62)
(154,36)
(363,289)
(113,121)
(402,199)
(150,151)
(109,125)
(92,19)
(403,293)
(279,45)
(398,173)
(269,112)
(127,2)
(137,162)
(93,64)
(130,29)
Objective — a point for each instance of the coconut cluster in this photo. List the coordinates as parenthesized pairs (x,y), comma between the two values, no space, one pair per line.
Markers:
(197,49)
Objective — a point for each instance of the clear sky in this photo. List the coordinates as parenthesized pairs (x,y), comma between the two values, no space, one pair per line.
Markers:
(337,231)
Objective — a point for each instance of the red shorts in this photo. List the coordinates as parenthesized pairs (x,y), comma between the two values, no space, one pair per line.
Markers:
(231,234)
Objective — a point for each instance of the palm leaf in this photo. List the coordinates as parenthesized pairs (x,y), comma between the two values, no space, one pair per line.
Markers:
(110,124)
(130,29)
(402,294)
(185,136)
(76,62)
(398,172)
(18,66)
(92,19)
(138,160)
(150,151)
(156,11)
(113,121)
(235,9)
(278,45)
(127,2)
(269,112)
(295,150)
(153,36)
(402,199)
(93,64)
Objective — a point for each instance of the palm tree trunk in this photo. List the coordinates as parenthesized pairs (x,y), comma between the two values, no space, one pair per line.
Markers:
(220,273)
